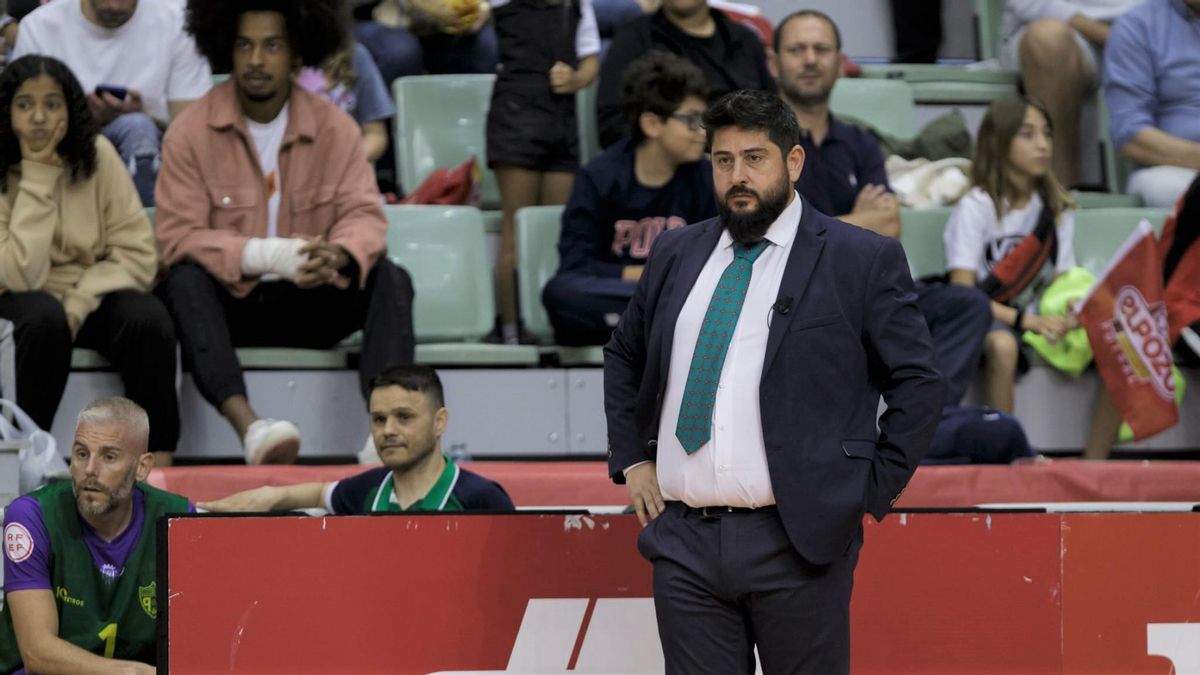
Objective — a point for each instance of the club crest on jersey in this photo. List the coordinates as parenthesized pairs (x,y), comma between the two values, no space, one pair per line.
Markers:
(149,599)
(1139,331)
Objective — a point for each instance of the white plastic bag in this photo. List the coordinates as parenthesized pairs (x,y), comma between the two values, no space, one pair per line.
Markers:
(40,461)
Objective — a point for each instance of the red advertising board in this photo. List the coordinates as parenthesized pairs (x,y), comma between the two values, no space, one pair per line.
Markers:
(1131,590)
(934,593)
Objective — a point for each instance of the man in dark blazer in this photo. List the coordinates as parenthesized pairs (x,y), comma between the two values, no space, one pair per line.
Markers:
(742,387)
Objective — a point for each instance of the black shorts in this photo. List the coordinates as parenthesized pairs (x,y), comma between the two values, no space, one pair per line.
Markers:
(533,129)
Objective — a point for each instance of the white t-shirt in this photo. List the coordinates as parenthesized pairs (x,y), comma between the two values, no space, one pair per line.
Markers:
(267,140)
(150,53)
(587,34)
(975,240)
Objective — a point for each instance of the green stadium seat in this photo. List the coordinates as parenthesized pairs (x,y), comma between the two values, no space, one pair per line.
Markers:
(86,359)
(585,114)
(538,228)
(989,20)
(440,121)
(1100,232)
(886,105)
(1116,167)
(934,83)
(1105,200)
(921,236)
(251,358)
(443,249)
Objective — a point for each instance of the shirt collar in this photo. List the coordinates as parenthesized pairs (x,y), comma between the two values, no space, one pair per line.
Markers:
(835,132)
(782,231)
(226,113)
(438,495)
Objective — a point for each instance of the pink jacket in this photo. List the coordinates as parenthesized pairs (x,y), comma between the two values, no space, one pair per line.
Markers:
(211,194)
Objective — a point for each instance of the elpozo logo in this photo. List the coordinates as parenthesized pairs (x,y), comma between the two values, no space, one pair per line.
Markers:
(1140,330)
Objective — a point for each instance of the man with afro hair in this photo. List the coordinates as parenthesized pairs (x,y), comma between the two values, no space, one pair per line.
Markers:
(269,219)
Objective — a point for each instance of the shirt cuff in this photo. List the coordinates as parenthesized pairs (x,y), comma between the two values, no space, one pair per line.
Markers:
(626,470)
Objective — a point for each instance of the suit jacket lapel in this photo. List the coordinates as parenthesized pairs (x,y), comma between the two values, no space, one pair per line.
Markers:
(692,257)
(806,251)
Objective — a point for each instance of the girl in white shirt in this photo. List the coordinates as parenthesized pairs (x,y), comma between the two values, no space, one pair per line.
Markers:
(993,240)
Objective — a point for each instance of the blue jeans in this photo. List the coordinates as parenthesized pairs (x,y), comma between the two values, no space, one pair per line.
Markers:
(139,142)
(398,52)
(959,318)
(579,306)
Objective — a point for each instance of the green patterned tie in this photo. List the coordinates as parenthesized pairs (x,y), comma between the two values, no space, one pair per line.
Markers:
(700,393)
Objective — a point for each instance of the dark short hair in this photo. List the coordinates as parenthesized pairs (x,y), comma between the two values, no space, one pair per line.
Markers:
(658,82)
(809,13)
(316,29)
(754,110)
(421,379)
(78,146)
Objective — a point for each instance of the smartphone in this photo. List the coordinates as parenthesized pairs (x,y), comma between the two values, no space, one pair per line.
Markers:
(118,92)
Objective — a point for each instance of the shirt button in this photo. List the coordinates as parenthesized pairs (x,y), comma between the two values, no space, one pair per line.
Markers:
(723,468)
(225,200)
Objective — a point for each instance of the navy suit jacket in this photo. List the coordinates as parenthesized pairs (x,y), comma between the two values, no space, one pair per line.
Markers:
(853,333)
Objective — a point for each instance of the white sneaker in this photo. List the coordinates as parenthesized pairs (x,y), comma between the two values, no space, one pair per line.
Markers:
(272,442)
(368,454)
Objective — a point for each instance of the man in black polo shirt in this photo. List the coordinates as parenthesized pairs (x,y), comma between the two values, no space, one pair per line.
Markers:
(844,177)
(843,167)
(730,55)
(408,416)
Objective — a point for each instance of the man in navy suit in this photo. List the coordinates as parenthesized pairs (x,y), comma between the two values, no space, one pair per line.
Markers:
(742,387)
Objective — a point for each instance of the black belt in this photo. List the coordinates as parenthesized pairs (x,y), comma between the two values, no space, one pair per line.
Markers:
(714,511)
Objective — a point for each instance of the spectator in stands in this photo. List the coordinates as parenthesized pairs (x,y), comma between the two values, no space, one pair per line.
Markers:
(730,55)
(11,13)
(1011,234)
(844,176)
(1180,247)
(1153,93)
(547,53)
(1057,46)
(414,37)
(80,555)
(269,219)
(76,251)
(1180,251)
(408,417)
(843,168)
(350,80)
(623,199)
(138,66)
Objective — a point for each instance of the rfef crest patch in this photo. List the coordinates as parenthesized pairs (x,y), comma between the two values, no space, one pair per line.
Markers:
(18,545)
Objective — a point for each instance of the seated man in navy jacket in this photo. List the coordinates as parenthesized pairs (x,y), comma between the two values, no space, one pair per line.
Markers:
(408,417)
(844,177)
(624,198)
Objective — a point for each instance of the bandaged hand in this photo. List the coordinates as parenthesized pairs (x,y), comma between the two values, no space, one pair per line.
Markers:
(276,255)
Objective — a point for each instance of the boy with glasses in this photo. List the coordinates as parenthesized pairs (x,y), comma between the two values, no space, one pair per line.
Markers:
(622,200)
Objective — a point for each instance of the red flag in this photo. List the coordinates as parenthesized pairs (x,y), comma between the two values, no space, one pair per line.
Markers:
(1126,323)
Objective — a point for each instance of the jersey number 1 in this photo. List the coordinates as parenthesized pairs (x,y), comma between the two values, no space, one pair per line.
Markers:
(109,635)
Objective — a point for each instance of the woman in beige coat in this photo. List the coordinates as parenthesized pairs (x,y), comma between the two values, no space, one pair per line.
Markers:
(76,252)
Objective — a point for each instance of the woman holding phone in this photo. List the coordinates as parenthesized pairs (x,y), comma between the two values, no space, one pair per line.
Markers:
(76,251)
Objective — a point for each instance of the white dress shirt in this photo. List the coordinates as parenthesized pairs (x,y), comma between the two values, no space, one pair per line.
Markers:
(731,468)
